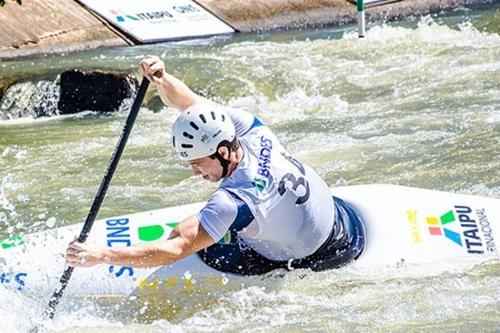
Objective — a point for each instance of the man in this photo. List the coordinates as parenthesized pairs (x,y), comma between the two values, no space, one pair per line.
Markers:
(277,212)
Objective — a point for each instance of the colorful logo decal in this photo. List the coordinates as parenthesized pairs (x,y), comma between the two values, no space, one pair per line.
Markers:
(437,227)
(120,16)
(259,184)
(146,16)
(462,225)
(471,229)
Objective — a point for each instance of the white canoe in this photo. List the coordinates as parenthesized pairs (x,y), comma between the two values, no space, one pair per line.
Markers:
(403,224)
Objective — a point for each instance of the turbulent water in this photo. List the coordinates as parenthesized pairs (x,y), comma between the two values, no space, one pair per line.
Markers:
(415,103)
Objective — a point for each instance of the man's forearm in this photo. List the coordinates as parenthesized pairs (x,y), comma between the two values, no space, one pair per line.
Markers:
(175,93)
(140,255)
(187,238)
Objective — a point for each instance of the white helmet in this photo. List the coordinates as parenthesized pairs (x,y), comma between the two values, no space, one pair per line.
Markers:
(199,130)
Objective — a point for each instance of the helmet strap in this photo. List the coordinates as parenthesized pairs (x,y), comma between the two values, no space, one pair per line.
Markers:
(224,162)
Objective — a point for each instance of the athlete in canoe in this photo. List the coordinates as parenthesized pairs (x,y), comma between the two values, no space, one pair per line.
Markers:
(270,210)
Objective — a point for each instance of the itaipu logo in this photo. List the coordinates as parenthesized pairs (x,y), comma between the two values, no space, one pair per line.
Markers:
(121,17)
(438,227)
(157,15)
(458,218)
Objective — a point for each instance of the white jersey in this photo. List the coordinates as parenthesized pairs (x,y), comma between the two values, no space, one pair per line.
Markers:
(292,206)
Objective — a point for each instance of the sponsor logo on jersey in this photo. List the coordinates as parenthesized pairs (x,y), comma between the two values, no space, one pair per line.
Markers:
(261,181)
(260,184)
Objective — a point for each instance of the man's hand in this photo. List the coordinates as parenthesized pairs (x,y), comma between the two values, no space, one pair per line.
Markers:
(171,90)
(81,255)
(152,68)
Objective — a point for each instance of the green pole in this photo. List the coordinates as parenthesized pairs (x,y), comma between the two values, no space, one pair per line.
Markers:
(361,5)
(361,18)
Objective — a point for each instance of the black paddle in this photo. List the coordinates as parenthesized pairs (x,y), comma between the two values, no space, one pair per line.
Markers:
(113,163)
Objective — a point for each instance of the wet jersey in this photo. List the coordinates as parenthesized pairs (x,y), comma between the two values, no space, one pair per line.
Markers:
(291,205)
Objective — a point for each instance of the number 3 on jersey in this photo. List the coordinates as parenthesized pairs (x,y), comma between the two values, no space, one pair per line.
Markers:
(295,182)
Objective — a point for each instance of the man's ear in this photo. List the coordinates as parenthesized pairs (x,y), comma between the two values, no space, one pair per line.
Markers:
(224,152)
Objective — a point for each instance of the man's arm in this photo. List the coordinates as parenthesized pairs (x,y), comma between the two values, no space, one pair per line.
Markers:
(173,92)
(187,238)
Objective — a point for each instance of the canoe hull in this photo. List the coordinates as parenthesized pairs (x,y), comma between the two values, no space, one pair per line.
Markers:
(403,225)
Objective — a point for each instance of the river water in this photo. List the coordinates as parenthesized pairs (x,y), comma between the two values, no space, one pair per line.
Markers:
(415,103)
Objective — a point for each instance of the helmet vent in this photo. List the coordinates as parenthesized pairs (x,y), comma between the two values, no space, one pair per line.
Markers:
(187,135)
(202,117)
(173,140)
(223,117)
(213,115)
(185,145)
(193,125)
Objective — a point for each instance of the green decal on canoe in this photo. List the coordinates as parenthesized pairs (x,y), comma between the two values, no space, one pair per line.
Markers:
(173,224)
(153,232)
(447,218)
(150,233)
(11,242)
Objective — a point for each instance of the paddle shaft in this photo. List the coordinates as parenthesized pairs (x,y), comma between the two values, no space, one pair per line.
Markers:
(113,163)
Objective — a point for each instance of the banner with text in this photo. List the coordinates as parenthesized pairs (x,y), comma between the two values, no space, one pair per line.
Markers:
(149,21)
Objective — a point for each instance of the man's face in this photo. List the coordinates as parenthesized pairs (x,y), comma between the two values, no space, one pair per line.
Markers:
(209,168)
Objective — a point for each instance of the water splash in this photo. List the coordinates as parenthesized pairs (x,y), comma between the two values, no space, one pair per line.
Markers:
(8,212)
(30,100)
(21,315)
